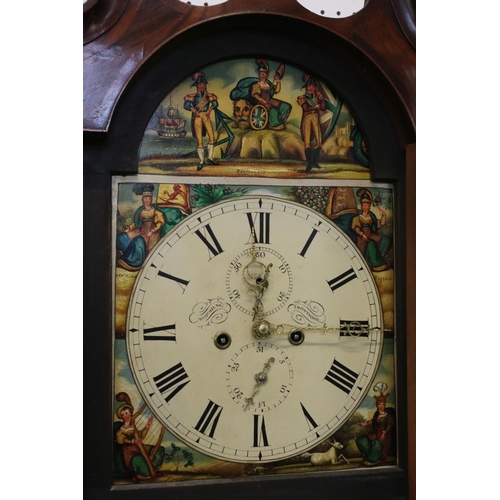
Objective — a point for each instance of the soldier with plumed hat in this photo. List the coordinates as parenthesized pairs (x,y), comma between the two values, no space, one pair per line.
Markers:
(200,105)
(311,102)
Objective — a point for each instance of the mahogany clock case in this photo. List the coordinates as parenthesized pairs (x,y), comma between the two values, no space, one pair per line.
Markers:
(387,130)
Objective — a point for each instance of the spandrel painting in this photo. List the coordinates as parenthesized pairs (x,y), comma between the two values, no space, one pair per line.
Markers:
(254,117)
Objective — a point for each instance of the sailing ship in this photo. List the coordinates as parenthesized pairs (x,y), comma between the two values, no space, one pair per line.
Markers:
(170,122)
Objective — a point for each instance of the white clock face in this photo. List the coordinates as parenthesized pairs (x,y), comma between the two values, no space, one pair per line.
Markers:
(190,338)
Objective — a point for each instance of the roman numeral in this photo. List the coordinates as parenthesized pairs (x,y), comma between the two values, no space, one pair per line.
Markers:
(308,242)
(168,333)
(171,381)
(341,376)
(310,421)
(342,279)
(209,419)
(350,328)
(259,431)
(182,283)
(208,237)
(260,227)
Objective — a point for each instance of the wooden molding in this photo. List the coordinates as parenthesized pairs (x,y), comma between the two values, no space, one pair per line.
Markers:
(132,31)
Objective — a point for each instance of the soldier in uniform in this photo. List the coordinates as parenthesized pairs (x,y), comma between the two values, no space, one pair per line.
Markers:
(311,102)
(200,105)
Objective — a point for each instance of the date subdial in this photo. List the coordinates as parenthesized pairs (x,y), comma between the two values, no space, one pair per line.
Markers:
(240,274)
(255,382)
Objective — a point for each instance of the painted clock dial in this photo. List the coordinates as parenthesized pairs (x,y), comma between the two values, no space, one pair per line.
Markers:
(190,335)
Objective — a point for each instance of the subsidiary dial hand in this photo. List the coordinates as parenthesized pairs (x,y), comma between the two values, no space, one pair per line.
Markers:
(260,380)
(256,273)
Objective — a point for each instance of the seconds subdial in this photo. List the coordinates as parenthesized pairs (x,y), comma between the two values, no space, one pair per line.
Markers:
(259,377)
(280,281)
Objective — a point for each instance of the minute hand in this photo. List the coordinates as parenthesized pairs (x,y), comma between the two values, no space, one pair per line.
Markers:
(296,334)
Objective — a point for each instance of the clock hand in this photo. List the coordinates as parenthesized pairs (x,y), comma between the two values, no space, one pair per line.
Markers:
(260,379)
(255,275)
(262,329)
(352,329)
(259,289)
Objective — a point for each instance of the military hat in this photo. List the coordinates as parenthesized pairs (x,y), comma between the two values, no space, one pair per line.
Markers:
(307,79)
(198,77)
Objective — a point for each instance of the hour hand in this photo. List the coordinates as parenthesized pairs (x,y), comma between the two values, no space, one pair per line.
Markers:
(296,334)
(258,309)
